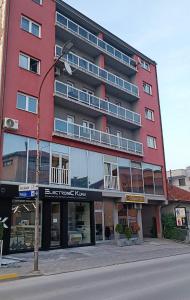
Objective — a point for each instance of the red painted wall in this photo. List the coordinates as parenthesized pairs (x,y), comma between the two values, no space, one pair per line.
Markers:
(18,79)
(151,128)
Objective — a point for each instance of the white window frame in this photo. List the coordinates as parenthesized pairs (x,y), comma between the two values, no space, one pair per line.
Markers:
(27,103)
(71,117)
(39,3)
(151,142)
(88,123)
(147,88)
(28,66)
(70,83)
(145,65)
(149,114)
(89,92)
(30,26)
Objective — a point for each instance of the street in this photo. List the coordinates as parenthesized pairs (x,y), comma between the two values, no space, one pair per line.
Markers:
(161,278)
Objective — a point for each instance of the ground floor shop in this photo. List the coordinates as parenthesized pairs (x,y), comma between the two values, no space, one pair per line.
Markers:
(69,217)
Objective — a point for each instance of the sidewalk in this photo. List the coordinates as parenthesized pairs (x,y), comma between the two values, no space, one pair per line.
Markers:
(66,260)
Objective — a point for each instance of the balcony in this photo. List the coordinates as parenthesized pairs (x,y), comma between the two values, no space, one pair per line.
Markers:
(59,176)
(80,33)
(111,182)
(93,136)
(73,94)
(130,90)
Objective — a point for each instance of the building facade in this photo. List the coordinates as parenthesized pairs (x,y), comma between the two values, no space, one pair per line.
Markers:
(180,178)
(101,146)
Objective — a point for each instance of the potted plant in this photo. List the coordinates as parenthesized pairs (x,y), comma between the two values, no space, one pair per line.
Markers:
(135,228)
(119,229)
(128,234)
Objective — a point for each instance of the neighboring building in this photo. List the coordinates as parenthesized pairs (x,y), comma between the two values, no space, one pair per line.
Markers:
(101,149)
(177,198)
(180,178)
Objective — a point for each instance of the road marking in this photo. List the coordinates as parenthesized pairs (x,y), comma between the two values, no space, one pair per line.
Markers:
(8,276)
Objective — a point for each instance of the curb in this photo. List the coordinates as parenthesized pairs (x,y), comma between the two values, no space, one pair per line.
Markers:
(9,276)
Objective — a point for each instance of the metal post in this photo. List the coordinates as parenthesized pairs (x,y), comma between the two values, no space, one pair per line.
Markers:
(66,48)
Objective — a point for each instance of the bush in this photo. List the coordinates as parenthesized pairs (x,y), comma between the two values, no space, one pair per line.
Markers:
(119,228)
(128,232)
(170,231)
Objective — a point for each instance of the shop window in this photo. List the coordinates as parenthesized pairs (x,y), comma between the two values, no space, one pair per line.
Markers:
(158,182)
(79,231)
(22,225)
(137,180)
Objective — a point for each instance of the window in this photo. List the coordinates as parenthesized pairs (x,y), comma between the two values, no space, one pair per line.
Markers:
(70,119)
(145,65)
(88,124)
(30,26)
(70,83)
(88,92)
(119,134)
(27,103)
(147,88)
(151,142)
(38,1)
(182,182)
(149,114)
(29,63)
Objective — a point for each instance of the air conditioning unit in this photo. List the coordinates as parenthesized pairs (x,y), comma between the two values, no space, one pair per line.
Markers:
(57,71)
(9,123)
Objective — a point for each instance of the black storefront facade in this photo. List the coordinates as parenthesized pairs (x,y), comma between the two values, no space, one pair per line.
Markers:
(66,218)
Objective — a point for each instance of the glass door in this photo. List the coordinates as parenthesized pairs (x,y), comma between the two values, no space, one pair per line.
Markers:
(55,224)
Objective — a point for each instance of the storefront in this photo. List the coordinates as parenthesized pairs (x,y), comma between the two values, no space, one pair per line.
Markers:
(66,218)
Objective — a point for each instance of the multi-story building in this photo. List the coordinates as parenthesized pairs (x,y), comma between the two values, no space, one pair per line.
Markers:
(180,178)
(101,146)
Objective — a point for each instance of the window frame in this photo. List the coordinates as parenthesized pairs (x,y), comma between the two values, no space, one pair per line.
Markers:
(151,112)
(39,3)
(28,63)
(27,97)
(145,86)
(88,123)
(145,65)
(31,22)
(153,144)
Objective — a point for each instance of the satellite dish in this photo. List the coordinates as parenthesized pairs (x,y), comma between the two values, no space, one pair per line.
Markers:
(68,68)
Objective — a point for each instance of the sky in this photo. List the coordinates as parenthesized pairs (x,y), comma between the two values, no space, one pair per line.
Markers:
(161,30)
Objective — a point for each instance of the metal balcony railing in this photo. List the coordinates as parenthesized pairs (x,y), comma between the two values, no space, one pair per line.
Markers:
(59,176)
(92,69)
(95,136)
(111,182)
(75,29)
(62,89)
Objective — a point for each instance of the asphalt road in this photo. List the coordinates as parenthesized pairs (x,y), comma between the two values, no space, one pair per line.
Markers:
(157,279)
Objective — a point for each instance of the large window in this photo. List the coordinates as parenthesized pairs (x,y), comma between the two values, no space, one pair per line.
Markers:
(95,170)
(125,174)
(158,181)
(137,179)
(148,179)
(29,63)
(78,223)
(147,88)
(30,26)
(27,103)
(22,225)
(79,174)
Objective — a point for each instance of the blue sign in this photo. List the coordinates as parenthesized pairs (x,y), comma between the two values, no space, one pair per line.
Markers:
(28,194)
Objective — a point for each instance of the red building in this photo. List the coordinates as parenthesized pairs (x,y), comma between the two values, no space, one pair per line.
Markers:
(101,146)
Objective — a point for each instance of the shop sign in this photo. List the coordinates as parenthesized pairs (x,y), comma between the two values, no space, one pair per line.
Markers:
(27,194)
(181,218)
(28,187)
(135,198)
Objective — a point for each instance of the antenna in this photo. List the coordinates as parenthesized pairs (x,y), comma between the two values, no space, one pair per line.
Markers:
(68,68)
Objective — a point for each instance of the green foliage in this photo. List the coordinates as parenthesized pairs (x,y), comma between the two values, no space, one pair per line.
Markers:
(128,232)
(170,231)
(119,228)
(1,231)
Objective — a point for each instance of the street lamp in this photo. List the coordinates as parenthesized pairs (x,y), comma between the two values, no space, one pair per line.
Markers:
(65,50)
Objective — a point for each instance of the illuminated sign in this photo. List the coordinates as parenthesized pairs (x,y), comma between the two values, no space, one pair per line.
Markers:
(180,214)
(135,198)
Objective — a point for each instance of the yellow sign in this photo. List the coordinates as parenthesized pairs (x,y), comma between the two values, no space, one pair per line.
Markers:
(135,198)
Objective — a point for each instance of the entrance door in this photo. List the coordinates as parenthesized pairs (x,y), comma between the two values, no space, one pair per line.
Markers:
(99,221)
(55,224)
(59,169)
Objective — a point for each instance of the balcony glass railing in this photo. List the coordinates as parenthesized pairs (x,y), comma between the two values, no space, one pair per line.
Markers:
(68,91)
(94,40)
(86,66)
(95,136)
